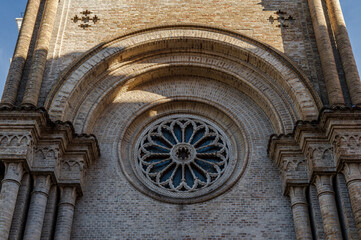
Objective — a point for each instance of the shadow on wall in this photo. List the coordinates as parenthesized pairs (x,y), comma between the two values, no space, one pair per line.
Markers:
(293,19)
(298,36)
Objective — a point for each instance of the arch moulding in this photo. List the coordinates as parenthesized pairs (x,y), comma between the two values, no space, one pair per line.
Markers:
(256,69)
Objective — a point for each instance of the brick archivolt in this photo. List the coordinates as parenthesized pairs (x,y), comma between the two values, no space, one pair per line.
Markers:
(96,96)
(261,72)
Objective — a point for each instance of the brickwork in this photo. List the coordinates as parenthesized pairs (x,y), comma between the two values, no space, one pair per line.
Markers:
(246,211)
(211,117)
(246,17)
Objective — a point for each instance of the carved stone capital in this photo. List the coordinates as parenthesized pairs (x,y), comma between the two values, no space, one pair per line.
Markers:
(320,158)
(27,132)
(323,184)
(47,159)
(297,195)
(42,184)
(13,171)
(293,166)
(68,195)
(72,170)
(290,160)
(16,146)
(352,172)
(348,146)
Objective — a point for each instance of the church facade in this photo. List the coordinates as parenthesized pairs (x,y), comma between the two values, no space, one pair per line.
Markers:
(168,119)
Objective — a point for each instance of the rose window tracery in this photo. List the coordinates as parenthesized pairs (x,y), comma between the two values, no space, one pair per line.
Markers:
(182,154)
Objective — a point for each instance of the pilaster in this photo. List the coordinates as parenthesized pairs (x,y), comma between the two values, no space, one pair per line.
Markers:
(39,198)
(343,129)
(326,198)
(345,50)
(19,218)
(68,195)
(294,173)
(49,152)
(21,53)
(33,84)
(8,195)
(327,57)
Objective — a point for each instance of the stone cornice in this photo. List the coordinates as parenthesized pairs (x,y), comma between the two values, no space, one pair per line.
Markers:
(326,143)
(28,135)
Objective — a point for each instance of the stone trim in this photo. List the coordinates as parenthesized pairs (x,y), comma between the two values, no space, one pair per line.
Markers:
(338,127)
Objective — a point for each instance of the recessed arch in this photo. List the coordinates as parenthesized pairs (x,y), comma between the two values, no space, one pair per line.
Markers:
(263,73)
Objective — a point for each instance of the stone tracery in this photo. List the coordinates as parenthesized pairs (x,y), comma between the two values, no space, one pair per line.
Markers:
(183,154)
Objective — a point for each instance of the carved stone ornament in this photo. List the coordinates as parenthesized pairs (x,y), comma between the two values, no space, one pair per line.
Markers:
(293,164)
(46,156)
(15,140)
(348,144)
(85,19)
(320,156)
(352,171)
(185,158)
(182,154)
(72,164)
(16,146)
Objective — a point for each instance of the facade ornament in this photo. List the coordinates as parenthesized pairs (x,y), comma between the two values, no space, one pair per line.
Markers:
(46,156)
(283,18)
(86,19)
(348,144)
(15,139)
(72,164)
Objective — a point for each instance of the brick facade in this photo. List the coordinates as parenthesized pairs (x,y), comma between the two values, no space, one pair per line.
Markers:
(275,94)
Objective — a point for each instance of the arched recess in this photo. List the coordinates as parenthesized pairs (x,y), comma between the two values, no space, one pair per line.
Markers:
(267,76)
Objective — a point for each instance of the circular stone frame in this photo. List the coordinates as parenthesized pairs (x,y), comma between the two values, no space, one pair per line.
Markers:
(206,161)
(145,119)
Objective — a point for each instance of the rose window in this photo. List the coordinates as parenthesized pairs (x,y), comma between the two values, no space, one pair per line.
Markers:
(182,154)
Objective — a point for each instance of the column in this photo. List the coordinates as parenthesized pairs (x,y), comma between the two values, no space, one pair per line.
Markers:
(326,198)
(345,50)
(300,213)
(39,199)
(352,172)
(21,52)
(19,218)
(37,68)
(346,216)
(8,196)
(49,218)
(64,220)
(324,46)
(315,211)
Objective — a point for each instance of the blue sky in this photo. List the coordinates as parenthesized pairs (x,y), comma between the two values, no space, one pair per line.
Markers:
(11,9)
